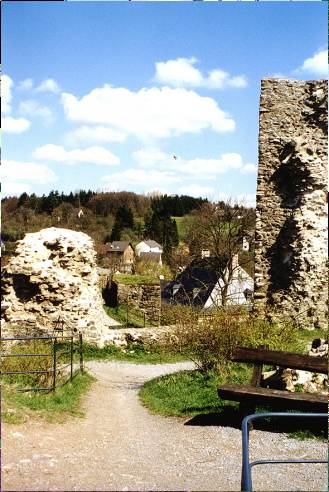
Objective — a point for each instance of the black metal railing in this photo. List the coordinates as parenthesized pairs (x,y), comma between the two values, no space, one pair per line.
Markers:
(246,480)
(132,317)
(61,369)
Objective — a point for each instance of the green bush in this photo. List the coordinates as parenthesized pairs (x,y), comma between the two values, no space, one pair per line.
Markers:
(209,340)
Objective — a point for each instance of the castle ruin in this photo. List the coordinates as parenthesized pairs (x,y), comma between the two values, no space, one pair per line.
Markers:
(291,212)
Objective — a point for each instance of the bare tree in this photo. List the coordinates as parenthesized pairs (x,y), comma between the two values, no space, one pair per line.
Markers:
(217,231)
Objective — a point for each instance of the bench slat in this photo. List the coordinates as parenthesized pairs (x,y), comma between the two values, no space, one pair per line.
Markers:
(282,359)
(271,397)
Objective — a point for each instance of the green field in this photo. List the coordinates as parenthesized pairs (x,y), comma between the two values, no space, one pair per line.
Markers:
(126,279)
(181,226)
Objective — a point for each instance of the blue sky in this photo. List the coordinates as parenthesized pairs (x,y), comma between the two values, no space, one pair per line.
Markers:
(146,96)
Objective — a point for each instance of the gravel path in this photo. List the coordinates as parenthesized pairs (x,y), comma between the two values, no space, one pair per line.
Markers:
(119,445)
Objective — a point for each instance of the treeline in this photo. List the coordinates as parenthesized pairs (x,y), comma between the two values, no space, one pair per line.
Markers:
(104,216)
(104,204)
(175,205)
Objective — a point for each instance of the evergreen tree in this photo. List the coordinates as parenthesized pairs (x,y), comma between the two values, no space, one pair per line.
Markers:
(123,219)
(162,229)
(116,232)
(23,200)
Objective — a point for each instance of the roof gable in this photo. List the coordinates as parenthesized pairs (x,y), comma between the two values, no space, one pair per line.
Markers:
(152,244)
(119,246)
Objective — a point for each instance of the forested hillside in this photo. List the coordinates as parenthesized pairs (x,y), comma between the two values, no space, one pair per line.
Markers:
(104,216)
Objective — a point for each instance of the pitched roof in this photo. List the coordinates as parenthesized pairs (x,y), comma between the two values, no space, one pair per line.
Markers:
(119,246)
(152,243)
(195,283)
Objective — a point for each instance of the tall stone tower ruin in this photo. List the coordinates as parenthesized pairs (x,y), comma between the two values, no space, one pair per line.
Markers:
(291,212)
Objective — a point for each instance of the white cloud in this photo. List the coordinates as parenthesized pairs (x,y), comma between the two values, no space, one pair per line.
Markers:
(32,108)
(139,177)
(16,171)
(94,134)
(203,168)
(249,169)
(48,85)
(6,95)
(26,85)
(182,73)
(317,64)
(247,199)
(15,125)
(153,158)
(148,113)
(179,73)
(210,167)
(91,155)
(197,190)
(9,188)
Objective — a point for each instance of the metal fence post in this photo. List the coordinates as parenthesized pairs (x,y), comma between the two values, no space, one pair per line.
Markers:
(81,352)
(71,355)
(54,364)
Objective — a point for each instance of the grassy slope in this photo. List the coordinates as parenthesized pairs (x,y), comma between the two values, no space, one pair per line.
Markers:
(119,313)
(135,279)
(181,226)
(189,393)
(192,394)
(17,407)
(135,353)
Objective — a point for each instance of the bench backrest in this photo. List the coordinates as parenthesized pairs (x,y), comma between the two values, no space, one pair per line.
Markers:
(281,359)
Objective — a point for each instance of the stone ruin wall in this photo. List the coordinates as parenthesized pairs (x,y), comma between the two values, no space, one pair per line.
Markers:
(53,279)
(145,297)
(291,213)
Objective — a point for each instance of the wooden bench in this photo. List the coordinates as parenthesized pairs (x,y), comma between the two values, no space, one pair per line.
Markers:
(253,394)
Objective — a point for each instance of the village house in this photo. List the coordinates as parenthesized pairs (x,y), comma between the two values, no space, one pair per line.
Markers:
(201,285)
(122,256)
(149,250)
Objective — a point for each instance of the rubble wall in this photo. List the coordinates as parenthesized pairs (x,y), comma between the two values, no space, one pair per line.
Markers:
(291,212)
(52,281)
(145,297)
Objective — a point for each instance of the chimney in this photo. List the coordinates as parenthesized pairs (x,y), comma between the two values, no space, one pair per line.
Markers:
(245,244)
(235,261)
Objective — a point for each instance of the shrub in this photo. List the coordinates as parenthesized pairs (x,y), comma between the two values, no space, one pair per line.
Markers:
(24,364)
(152,268)
(209,340)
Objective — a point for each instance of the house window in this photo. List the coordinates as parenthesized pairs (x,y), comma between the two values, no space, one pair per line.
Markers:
(176,288)
(196,291)
(248,294)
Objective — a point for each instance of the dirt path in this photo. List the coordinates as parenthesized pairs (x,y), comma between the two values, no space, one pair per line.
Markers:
(119,445)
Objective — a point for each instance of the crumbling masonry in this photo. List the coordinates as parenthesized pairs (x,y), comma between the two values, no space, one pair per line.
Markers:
(291,212)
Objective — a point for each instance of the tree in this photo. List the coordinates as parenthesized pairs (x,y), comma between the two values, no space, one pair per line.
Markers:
(123,219)
(160,227)
(23,200)
(219,229)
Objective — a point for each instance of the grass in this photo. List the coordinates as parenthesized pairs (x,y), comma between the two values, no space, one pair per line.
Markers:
(189,393)
(136,353)
(119,313)
(135,279)
(309,335)
(194,394)
(181,223)
(18,407)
